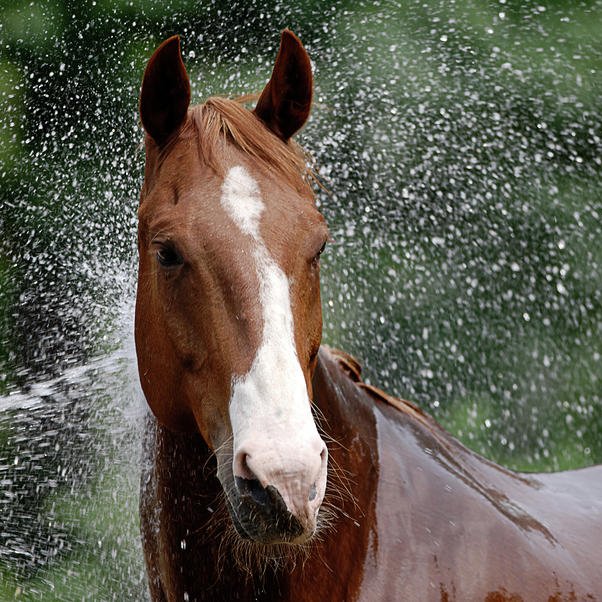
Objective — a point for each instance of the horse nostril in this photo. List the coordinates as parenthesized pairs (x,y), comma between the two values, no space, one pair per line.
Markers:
(252,488)
(324,457)
(313,492)
(246,481)
(241,467)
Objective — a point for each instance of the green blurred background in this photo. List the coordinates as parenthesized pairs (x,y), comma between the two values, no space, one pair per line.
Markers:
(460,143)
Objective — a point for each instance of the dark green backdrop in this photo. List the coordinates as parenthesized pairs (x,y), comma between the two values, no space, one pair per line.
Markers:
(460,143)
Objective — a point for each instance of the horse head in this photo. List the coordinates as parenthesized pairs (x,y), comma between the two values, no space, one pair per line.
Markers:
(228,315)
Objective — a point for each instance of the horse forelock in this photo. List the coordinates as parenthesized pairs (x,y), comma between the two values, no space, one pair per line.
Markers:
(222,121)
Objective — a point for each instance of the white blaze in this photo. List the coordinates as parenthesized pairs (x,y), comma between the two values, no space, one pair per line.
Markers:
(269,406)
(242,201)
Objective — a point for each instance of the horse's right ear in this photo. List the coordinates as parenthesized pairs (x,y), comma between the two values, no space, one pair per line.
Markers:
(165,93)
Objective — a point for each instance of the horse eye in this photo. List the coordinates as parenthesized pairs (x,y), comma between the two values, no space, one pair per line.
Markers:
(168,257)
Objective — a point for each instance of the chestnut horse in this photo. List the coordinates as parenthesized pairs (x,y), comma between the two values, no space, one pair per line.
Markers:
(235,503)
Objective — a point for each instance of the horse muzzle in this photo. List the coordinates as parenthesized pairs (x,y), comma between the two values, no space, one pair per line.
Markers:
(277,501)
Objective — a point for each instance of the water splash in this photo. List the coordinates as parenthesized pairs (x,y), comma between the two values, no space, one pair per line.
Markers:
(460,143)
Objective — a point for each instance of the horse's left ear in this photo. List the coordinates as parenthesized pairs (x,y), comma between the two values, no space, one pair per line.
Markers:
(165,93)
(285,102)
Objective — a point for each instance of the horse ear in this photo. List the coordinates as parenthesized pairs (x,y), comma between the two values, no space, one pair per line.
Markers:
(165,93)
(285,102)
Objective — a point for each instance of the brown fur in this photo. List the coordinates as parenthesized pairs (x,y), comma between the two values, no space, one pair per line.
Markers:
(409,513)
(221,121)
(413,516)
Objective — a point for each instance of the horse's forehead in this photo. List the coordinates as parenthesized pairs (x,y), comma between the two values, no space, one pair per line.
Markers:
(190,198)
(254,201)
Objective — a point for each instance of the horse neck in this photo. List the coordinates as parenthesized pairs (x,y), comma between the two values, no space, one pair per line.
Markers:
(384,436)
(346,419)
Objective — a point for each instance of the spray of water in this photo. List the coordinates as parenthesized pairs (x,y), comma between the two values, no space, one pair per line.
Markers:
(460,146)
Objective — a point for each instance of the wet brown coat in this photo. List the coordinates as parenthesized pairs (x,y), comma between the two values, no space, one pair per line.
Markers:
(414,515)
(427,519)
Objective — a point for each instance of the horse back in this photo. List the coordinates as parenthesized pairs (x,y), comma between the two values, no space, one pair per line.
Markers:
(468,526)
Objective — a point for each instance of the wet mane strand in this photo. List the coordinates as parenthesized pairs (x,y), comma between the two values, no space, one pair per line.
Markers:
(220,120)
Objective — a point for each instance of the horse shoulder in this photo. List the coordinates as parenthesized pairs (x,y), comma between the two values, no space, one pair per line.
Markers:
(449,524)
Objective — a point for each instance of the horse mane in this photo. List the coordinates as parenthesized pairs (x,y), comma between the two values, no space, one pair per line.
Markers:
(219,121)
(353,369)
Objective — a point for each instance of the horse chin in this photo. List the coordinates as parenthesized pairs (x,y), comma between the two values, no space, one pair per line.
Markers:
(268,524)
(260,515)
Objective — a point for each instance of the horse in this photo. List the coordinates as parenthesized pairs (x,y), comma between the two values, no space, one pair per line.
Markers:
(271,471)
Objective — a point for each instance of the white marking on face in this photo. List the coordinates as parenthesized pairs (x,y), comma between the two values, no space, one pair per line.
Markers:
(269,406)
(242,200)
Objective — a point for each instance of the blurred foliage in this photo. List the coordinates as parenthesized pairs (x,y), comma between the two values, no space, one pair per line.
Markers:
(461,145)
